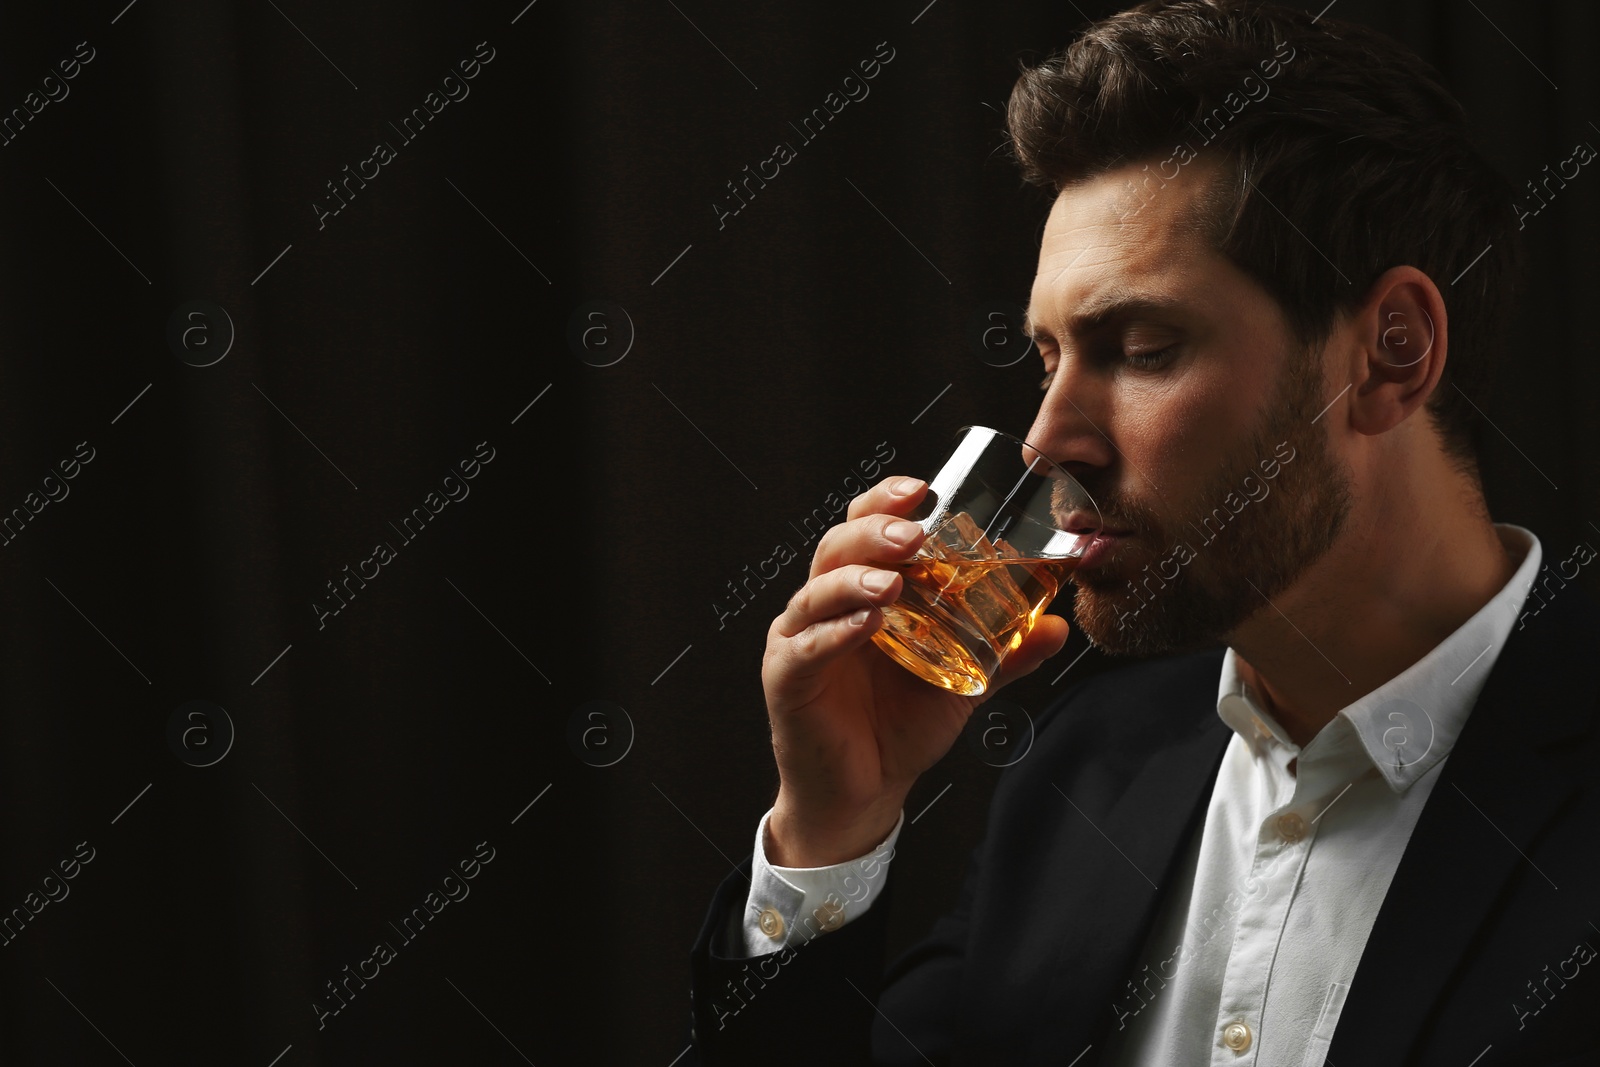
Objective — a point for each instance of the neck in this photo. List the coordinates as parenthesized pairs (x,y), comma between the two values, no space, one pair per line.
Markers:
(1393,588)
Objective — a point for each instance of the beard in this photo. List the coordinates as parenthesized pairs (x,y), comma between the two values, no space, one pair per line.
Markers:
(1241,529)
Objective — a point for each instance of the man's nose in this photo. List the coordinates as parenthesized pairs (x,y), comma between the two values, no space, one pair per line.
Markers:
(1069,429)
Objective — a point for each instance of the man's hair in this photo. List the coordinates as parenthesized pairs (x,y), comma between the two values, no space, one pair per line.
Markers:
(1343,155)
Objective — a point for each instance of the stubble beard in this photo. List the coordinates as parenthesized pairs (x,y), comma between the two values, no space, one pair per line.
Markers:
(1136,606)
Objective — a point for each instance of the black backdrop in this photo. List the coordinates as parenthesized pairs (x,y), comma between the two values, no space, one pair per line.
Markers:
(540,276)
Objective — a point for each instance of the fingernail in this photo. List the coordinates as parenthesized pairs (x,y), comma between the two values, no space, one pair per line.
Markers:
(905,486)
(877,581)
(860,617)
(902,532)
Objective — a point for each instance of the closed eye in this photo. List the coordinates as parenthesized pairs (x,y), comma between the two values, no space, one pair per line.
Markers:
(1147,360)
(1137,360)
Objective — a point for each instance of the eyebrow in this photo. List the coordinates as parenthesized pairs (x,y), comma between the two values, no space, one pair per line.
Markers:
(1102,310)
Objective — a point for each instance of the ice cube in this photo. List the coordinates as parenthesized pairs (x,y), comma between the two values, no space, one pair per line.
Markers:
(994,599)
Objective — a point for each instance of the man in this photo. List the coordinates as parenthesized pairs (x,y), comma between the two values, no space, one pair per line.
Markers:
(1270,280)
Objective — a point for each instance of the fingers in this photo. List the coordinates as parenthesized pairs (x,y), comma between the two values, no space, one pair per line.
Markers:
(804,642)
(869,533)
(892,496)
(844,591)
(837,609)
(1049,636)
(871,539)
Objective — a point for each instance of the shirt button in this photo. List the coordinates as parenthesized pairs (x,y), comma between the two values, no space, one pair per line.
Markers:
(830,915)
(771,923)
(1236,1035)
(1291,827)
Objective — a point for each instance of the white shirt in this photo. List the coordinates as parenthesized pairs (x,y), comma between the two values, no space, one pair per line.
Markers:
(790,905)
(1253,949)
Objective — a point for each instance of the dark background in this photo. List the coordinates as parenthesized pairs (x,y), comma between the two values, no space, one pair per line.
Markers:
(764,360)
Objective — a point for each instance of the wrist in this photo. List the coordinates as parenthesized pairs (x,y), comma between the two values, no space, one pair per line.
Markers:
(795,839)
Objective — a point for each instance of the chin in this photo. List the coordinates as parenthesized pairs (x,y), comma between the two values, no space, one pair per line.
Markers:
(1181,618)
(1110,617)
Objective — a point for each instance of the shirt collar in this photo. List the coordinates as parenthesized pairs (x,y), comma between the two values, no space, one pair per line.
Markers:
(1407,725)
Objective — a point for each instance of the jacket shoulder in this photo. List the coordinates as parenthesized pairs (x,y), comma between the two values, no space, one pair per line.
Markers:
(1145,701)
(1108,726)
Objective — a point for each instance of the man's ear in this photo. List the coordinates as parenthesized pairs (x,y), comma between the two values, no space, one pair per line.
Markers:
(1401,339)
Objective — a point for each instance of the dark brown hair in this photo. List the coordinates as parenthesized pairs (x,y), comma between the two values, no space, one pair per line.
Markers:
(1344,155)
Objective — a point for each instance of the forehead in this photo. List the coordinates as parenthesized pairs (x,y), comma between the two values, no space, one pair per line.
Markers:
(1124,235)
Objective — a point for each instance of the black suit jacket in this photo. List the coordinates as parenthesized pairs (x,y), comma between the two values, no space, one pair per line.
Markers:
(1481,953)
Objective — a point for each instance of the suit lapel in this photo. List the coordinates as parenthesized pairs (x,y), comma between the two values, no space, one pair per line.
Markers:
(1107,900)
(1495,794)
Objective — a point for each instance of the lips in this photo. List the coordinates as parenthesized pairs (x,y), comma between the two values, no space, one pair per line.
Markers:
(1102,538)
(1101,545)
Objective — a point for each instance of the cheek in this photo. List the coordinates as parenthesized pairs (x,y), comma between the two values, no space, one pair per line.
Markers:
(1174,429)
(1178,436)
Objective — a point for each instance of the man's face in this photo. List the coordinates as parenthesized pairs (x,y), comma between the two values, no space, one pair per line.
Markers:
(1178,396)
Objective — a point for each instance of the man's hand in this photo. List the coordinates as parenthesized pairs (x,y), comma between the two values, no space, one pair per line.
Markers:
(852,729)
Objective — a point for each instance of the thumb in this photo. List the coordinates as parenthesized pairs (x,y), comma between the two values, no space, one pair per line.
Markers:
(1049,636)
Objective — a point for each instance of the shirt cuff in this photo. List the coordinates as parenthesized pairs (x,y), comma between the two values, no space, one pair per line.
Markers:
(791,905)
